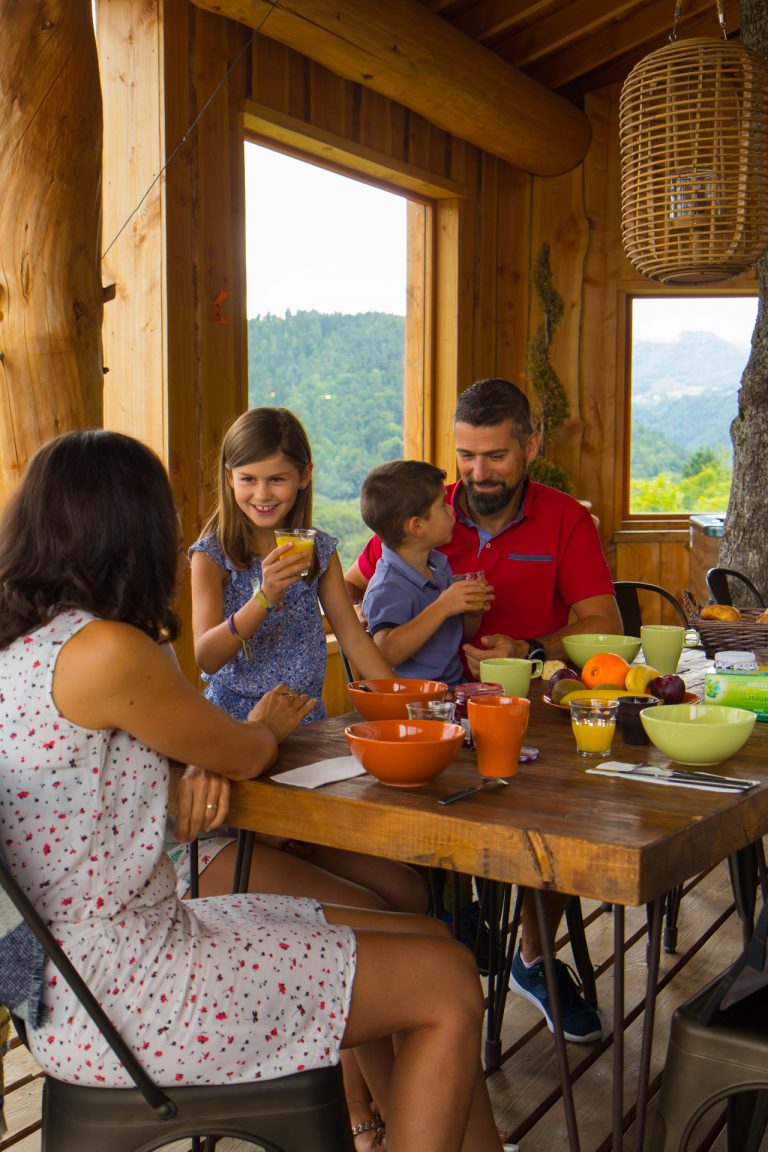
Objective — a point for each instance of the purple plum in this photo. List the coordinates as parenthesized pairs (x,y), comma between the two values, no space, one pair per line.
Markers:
(670,689)
(562,674)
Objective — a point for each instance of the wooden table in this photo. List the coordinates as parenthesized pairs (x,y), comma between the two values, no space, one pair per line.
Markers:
(554,827)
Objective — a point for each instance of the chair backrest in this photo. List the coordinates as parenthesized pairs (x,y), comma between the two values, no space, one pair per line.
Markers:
(157,1100)
(719,584)
(629,603)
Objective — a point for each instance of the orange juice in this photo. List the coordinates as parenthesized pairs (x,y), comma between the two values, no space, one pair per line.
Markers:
(594,723)
(593,737)
(303,541)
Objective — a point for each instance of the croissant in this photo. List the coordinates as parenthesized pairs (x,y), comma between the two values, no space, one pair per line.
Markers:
(763,617)
(720,612)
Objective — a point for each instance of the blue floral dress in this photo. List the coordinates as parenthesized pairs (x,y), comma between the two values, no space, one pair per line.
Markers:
(289,645)
(217,991)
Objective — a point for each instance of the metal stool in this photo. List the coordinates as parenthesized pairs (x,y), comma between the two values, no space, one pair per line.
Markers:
(287,1114)
(718,1052)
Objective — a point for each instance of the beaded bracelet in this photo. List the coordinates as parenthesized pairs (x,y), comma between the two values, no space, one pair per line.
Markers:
(244,640)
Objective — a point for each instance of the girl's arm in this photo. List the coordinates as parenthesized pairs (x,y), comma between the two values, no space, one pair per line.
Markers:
(355,642)
(111,675)
(215,641)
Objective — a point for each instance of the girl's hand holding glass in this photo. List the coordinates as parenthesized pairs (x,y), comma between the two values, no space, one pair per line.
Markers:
(281,568)
(282,710)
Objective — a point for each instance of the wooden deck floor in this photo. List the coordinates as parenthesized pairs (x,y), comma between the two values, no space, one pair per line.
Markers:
(527,1082)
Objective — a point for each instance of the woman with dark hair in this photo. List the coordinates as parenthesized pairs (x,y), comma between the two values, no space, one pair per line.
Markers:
(219,990)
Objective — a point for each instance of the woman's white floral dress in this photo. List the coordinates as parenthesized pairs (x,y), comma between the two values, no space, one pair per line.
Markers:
(226,989)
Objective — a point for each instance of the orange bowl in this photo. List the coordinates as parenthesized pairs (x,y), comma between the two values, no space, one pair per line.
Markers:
(404,753)
(386,699)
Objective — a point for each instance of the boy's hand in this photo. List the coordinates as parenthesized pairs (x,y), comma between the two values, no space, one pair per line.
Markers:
(282,710)
(280,568)
(466,596)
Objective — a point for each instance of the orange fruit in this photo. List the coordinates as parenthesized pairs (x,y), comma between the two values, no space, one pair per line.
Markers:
(605,668)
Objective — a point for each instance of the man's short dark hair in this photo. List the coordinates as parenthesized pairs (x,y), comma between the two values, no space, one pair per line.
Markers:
(394,492)
(489,402)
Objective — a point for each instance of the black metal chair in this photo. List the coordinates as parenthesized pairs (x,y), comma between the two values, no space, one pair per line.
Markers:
(718,1052)
(287,1114)
(720,581)
(629,603)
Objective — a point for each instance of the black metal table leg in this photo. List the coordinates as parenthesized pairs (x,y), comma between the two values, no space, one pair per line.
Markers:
(548,952)
(656,909)
(618,1028)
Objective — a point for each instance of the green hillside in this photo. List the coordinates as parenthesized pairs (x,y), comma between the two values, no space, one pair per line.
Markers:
(343,377)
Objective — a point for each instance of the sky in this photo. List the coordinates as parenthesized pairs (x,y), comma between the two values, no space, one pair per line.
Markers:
(346,252)
(315,269)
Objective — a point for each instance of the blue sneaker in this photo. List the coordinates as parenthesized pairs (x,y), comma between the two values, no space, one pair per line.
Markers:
(581,1023)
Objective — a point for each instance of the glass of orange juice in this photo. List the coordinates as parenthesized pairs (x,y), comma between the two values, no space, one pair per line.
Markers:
(303,540)
(594,723)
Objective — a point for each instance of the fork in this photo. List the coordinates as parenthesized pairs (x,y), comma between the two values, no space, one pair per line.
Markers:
(664,772)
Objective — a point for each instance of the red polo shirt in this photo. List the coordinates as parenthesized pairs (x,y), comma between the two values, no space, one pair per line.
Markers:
(548,558)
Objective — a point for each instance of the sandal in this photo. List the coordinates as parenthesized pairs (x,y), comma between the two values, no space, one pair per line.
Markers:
(374,1125)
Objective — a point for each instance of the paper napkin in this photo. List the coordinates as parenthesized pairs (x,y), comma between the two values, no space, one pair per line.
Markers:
(322,772)
(616,768)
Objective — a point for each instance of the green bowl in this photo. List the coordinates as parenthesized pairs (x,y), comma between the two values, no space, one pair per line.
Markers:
(698,734)
(579,648)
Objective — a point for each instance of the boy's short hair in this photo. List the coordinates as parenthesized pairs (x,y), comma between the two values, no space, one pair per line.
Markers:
(394,492)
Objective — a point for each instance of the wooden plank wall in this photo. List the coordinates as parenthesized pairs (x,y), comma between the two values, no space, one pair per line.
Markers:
(177,368)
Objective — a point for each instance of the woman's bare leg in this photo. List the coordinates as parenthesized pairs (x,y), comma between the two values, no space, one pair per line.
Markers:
(424,988)
(273,870)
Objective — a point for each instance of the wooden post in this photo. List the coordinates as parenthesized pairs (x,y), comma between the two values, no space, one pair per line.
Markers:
(51,294)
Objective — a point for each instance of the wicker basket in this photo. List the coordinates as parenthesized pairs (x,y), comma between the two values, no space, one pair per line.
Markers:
(728,635)
(693,127)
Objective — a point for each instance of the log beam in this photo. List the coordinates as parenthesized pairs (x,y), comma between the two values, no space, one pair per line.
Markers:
(405,52)
(51,295)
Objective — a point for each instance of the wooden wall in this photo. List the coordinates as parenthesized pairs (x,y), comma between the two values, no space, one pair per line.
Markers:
(177,364)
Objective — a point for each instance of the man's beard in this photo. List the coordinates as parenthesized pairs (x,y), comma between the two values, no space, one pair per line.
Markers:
(489,503)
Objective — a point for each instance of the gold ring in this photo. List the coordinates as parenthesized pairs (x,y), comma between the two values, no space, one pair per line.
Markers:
(291,695)
(210,805)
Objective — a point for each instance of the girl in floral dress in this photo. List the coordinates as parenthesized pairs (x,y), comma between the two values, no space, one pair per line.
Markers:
(221,990)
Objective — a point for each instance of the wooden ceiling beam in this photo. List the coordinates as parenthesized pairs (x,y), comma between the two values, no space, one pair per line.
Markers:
(408,54)
(645,29)
(564,28)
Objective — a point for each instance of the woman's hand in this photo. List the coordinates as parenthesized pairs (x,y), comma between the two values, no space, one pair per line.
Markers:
(202,802)
(282,710)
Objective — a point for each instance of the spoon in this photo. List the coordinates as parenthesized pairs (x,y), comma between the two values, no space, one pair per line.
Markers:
(664,772)
(470,791)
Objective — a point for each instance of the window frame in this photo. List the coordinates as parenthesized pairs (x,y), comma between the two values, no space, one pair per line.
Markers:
(627,291)
(432,237)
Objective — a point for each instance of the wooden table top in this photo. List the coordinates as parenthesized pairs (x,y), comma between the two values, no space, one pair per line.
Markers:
(553,827)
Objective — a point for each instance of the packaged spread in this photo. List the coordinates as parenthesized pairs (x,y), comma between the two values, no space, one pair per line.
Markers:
(738,690)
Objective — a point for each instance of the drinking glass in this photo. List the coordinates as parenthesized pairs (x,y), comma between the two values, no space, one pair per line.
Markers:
(303,540)
(432,710)
(594,723)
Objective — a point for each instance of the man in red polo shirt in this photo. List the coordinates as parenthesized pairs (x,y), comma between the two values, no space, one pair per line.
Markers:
(542,555)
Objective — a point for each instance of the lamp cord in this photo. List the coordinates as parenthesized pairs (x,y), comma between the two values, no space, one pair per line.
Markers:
(191,128)
(720,19)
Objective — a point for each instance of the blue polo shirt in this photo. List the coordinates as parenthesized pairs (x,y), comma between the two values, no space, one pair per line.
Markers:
(398,593)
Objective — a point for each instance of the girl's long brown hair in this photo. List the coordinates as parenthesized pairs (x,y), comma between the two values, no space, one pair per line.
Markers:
(256,435)
(91,525)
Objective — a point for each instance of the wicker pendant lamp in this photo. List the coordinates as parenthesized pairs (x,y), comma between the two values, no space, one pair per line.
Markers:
(693,128)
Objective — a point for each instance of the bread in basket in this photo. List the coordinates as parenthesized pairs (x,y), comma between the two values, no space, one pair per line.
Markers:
(749,633)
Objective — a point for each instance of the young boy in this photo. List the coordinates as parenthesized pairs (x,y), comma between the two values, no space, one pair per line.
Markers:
(417,614)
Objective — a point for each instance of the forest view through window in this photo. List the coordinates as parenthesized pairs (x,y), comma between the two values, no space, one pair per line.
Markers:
(326,267)
(688,355)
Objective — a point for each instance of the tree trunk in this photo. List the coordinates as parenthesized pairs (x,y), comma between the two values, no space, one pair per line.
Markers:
(51,297)
(745,537)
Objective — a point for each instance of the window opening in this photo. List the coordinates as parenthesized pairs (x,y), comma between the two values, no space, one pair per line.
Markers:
(687,358)
(326,281)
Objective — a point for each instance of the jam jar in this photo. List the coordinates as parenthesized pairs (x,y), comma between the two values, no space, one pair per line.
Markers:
(464,692)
